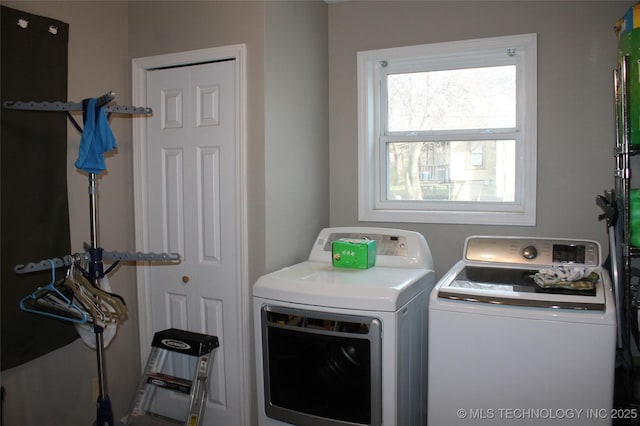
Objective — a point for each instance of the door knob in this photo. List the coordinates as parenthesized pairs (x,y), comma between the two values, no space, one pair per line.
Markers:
(185,279)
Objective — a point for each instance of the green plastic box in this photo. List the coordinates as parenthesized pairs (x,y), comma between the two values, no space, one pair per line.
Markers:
(354,253)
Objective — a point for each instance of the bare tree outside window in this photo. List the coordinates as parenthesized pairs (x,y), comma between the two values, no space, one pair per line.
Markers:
(462,104)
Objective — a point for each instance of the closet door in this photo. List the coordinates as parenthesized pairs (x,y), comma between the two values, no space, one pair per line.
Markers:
(192,208)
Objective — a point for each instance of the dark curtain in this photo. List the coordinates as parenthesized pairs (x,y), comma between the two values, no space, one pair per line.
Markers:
(34,218)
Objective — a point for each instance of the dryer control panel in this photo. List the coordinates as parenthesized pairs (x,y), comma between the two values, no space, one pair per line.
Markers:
(532,251)
(386,245)
(394,247)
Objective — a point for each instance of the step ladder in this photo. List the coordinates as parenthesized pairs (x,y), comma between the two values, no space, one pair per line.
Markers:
(182,342)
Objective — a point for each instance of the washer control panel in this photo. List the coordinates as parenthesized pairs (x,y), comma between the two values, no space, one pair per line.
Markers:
(532,250)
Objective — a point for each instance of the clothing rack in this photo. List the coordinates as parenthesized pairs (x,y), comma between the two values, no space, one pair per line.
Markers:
(94,254)
(116,256)
(78,106)
(69,107)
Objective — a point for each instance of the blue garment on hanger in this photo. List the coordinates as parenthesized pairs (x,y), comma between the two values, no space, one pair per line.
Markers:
(97,139)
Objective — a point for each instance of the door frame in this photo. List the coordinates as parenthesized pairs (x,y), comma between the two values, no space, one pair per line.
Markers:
(140,68)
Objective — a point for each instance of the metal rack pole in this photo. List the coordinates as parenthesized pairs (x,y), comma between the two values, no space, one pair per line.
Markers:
(104,416)
(93,209)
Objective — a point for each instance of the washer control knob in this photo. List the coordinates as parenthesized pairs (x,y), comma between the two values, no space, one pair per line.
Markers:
(530,252)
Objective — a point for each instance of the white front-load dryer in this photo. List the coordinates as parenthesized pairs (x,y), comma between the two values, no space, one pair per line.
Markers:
(338,346)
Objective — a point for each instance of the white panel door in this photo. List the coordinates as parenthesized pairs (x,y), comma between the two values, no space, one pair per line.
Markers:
(191,190)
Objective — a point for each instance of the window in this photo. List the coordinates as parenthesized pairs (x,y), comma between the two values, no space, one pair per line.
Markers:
(447,132)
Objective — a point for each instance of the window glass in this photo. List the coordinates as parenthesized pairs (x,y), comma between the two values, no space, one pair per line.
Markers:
(472,98)
(466,171)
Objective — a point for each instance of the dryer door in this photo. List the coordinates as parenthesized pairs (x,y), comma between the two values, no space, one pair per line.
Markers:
(321,368)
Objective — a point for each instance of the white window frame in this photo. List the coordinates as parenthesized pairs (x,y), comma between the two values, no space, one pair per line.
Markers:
(520,50)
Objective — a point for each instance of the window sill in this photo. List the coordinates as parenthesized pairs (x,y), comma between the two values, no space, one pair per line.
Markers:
(448,217)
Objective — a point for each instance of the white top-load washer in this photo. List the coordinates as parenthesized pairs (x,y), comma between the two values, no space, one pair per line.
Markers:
(303,312)
(504,349)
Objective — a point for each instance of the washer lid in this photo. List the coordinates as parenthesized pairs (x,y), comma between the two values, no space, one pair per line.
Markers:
(514,286)
(320,284)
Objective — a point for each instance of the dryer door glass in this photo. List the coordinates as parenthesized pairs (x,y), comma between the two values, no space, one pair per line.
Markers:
(321,365)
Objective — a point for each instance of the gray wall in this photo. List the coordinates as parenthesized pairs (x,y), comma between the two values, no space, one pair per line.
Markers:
(296,129)
(576,56)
